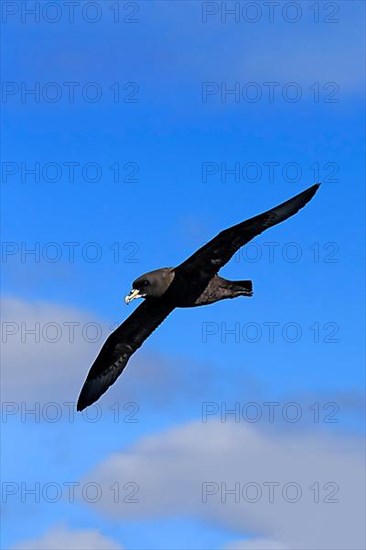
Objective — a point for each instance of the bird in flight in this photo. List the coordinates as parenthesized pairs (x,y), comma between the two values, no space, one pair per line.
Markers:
(195,282)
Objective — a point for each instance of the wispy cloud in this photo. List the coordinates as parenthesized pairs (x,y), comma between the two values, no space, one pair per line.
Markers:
(256,544)
(63,538)
(204,471)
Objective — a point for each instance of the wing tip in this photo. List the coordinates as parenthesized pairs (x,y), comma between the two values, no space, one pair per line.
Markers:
(82,404)
(313,189)
(308,194)
(87,397)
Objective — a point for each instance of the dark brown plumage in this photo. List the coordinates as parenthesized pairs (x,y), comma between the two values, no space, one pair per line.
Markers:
(193,283)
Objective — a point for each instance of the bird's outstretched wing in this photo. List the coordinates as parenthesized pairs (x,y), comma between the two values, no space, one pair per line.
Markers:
(119,347)
(212,256)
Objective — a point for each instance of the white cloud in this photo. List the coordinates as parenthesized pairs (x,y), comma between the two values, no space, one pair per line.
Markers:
(61,538)
(256,544)
(36,368)
(171,468)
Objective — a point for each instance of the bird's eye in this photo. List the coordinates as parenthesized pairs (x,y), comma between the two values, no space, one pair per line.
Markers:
(144,282)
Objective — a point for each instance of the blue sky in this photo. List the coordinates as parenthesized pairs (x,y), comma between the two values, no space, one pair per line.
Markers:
(163,133)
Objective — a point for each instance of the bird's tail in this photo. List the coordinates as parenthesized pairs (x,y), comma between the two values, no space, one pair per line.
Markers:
(242,288)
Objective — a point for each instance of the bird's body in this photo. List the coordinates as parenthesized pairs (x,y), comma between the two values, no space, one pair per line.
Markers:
(193,283)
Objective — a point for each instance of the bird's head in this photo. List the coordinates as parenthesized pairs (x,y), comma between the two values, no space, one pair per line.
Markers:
(153,284)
